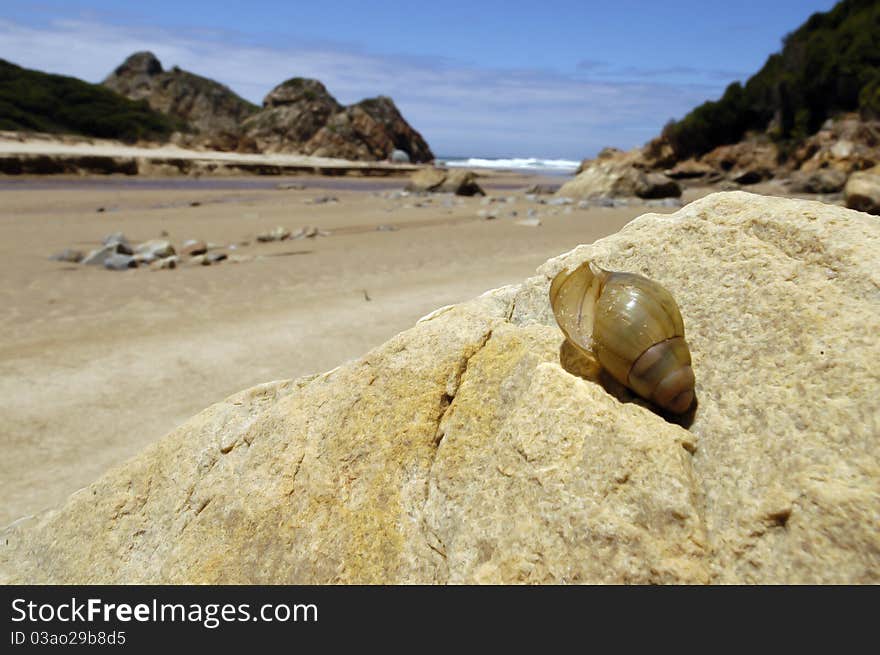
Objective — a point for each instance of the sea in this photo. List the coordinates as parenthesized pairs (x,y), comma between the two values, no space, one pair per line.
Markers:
(523,164)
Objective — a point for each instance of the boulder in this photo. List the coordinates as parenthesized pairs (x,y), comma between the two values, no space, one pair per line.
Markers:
(400,156)
(619,175)
(747,162)
(461,183)
(846,143)
(476,447)
(823,180)
(656,185)
(426,179)
(862,191)
(119,240)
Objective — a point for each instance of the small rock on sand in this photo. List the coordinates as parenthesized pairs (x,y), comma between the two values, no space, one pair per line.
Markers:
(118,239)
(165,263)
(530,222)
(119,262)
(193,247)
(158,248)
(278,234)
(213,258)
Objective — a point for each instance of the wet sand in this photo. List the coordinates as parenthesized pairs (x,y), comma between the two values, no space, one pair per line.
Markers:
(94,364)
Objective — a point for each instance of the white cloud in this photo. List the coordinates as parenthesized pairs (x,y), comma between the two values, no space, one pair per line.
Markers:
(459,108)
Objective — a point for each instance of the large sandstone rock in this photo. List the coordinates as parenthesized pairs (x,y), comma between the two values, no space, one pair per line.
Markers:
(747,162)
(475,448)
(619,174)
(862,191)
(213,109)
(846,144)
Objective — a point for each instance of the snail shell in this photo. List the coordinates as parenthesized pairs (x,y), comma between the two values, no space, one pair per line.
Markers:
(632,325)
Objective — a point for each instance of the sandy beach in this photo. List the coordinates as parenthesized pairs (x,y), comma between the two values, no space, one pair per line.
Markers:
(96,364)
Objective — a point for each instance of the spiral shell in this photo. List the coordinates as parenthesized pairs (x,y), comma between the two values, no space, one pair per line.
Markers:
(633,326)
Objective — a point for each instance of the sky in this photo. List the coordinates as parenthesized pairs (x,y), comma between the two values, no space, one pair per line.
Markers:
(551,79)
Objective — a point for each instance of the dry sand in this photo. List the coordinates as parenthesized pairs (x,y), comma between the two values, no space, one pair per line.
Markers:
(96,364)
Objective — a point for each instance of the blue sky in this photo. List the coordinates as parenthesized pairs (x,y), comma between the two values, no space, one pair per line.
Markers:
(557,79)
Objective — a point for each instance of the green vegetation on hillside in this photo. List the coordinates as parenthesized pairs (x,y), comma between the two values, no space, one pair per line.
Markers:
(35,101)
(830,64)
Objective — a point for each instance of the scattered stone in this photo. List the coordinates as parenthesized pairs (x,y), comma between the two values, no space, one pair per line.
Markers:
(529,222)
(562,200)
(239,259)
(118,240)
(98,256)
(291,186)
(823,180)
(144,258)
(193,247)
(322,200)
(120,262)
(746,162)
(385,228)
(68,255)
(309,232)
(166,263)
(100,210)
(531,213)
(280,233)
(862,191)
(488,215)
(163,233)
(618,175)
(195,203)
(213,258)
(157,248)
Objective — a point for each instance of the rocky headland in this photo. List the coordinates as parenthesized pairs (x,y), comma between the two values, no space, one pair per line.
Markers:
(297,116)
(474,448)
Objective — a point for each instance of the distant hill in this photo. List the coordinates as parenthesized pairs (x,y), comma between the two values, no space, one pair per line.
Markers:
(830,64)
(34,101)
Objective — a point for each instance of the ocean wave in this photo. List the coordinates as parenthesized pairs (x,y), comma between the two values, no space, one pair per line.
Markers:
(517,163)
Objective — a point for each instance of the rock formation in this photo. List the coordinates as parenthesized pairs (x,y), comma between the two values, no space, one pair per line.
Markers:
(292,113)
(209,107)
(475,448)
(297,116)
(371,129)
